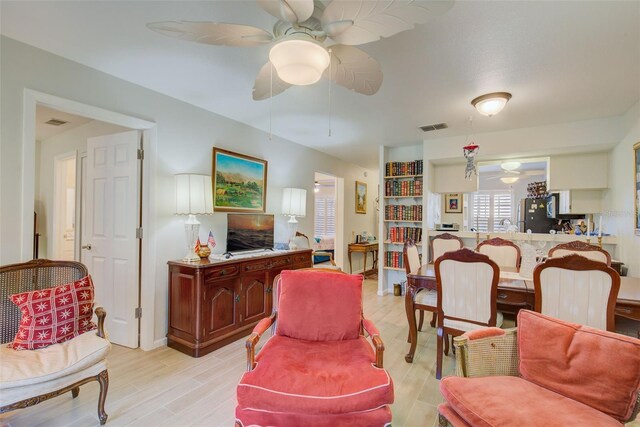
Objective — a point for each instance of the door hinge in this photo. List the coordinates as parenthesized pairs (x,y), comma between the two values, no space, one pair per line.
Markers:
(140,154)
(139,233)
(138,312)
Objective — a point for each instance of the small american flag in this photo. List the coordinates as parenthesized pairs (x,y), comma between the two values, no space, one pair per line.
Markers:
(197,248)
(211,241)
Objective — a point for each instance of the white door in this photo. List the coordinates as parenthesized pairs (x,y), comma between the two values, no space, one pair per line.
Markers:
(109,246)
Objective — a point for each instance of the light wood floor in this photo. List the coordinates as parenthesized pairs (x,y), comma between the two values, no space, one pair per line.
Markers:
(164,387)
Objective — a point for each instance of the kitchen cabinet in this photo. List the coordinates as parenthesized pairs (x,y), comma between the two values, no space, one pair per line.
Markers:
(213,303)
(576,202)
(588,171)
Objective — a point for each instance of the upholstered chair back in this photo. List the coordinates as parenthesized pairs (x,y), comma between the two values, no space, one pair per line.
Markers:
(319,305)
(467,286)
(301,241)
(576,289)
(501,251)
(584,249)
(411,257)
(444,243)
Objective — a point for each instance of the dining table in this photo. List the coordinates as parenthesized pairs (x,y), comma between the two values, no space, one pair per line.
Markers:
(515,292)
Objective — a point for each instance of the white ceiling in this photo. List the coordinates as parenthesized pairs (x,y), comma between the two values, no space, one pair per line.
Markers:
(45,131)
(562,61)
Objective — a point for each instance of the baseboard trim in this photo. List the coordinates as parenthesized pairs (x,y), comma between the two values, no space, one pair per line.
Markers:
(159,343)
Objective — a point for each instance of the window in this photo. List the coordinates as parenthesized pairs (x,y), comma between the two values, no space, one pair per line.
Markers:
(489,209)
(325,216)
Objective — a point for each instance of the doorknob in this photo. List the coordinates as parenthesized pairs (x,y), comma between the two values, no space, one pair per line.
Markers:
(87,247)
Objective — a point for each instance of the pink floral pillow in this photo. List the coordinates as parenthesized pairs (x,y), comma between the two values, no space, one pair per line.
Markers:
(54,315)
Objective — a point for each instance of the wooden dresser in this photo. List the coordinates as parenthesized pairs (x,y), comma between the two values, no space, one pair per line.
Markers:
(212,303)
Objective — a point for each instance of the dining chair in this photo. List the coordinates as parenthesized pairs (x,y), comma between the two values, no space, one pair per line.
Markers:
(424,299)
(577,289)
(442,243)
(584,249)
(467,286)
(503,252)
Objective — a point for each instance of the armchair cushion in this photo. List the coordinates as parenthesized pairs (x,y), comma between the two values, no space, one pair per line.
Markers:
(54,315)
(597,368)
(23,368)
(307,377)
(481,402)
(300,315)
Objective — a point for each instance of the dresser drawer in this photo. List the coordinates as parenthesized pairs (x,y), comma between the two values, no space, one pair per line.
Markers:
(221,272)
(257,266)
(302,258)
(281,262)
(514,297)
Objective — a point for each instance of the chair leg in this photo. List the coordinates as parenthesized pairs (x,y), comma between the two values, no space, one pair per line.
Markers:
(75,392)
(421,320)
(103,379)
(446,344)
(433,319)
(439,354)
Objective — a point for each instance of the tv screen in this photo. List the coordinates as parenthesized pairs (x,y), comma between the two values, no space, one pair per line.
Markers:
(249,231)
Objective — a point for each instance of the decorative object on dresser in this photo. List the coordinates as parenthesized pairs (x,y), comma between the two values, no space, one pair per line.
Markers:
(193,197)
(361,197)
(28,377)
(579,247)
(215,302)
(453,203)
(636,187)
(317,368)
(540,371)
(239,182)
(503,252)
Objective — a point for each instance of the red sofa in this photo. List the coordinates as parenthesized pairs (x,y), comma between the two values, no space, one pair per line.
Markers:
(547,373)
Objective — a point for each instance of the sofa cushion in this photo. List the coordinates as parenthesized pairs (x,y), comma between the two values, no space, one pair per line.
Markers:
(319,306)
(513,401)
(598,368)
(23,368)
(54,315)
(327,377)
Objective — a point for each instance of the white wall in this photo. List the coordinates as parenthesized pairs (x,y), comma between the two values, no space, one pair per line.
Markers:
(186,136)
(73,140)
(618,200)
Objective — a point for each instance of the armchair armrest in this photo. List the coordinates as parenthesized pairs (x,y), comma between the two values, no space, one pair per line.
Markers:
(101,314)
(487,352)
(325,253)
(373,332)
(253,339)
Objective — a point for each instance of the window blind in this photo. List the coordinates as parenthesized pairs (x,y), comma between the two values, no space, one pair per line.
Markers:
(325,217)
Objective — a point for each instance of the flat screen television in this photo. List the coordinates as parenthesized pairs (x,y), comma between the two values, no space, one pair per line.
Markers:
(247,232)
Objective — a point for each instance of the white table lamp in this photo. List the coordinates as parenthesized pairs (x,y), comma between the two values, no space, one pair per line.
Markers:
(194,196)
(294,203)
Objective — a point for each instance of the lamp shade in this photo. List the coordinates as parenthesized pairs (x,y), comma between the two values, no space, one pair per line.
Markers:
(294,202)
(193,194)
(299,62)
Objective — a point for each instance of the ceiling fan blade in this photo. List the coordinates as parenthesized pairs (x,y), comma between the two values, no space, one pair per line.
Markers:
(354,69)
(357,22)
(514,172)
(213,33)
(262,86)
(288,10)
(534,172)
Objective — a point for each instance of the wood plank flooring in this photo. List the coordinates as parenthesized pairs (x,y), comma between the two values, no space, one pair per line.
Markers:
(164,387)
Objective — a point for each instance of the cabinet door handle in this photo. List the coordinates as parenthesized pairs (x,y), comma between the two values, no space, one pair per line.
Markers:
(502,296)
(237,298)
(269,290)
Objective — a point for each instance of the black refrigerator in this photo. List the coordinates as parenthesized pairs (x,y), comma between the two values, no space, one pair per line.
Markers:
(532,215)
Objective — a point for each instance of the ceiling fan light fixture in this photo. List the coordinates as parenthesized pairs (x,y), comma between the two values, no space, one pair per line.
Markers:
(509,179)
(299,62)
(510,166)
(491,103)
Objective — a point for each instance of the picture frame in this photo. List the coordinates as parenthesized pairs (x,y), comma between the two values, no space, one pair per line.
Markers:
(636,188)
(453,203)
(361,197)
(239,182)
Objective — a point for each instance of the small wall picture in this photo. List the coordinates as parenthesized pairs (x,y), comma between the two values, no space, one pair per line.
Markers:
(239,182)
(453,203)
(361,197)
(636,187)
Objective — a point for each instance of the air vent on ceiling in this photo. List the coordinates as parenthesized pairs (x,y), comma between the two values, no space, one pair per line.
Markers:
(436,126)
(56,122)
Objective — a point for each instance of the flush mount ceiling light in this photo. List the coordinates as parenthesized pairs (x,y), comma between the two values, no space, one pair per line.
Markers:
(510,166)
(299,62)
(509,179)
(491,103)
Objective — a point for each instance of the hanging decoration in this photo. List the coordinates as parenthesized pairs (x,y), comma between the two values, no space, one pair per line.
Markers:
(470,151)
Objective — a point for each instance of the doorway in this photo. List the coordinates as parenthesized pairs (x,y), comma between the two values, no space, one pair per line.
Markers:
(64,209)
(325,215)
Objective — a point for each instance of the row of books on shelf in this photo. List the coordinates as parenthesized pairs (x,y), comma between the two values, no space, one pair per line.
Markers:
(393,259)
(404,168)
(403,212)
(403,188)
(402,234)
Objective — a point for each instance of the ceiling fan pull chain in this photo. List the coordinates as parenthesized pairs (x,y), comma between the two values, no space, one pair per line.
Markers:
(270,97)
(330,84)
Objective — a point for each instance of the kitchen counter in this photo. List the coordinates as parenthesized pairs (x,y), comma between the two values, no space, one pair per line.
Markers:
(536,237)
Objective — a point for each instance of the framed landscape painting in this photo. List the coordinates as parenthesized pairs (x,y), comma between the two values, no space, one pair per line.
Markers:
(239,182)
(636,187)
(361,197)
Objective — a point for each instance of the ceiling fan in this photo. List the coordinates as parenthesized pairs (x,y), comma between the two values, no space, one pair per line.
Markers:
(298,55)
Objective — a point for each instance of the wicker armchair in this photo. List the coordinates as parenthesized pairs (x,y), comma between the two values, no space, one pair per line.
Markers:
(59,368)
(493,353)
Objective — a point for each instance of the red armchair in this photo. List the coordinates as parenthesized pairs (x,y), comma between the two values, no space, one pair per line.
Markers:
(548,372)
(317,369)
